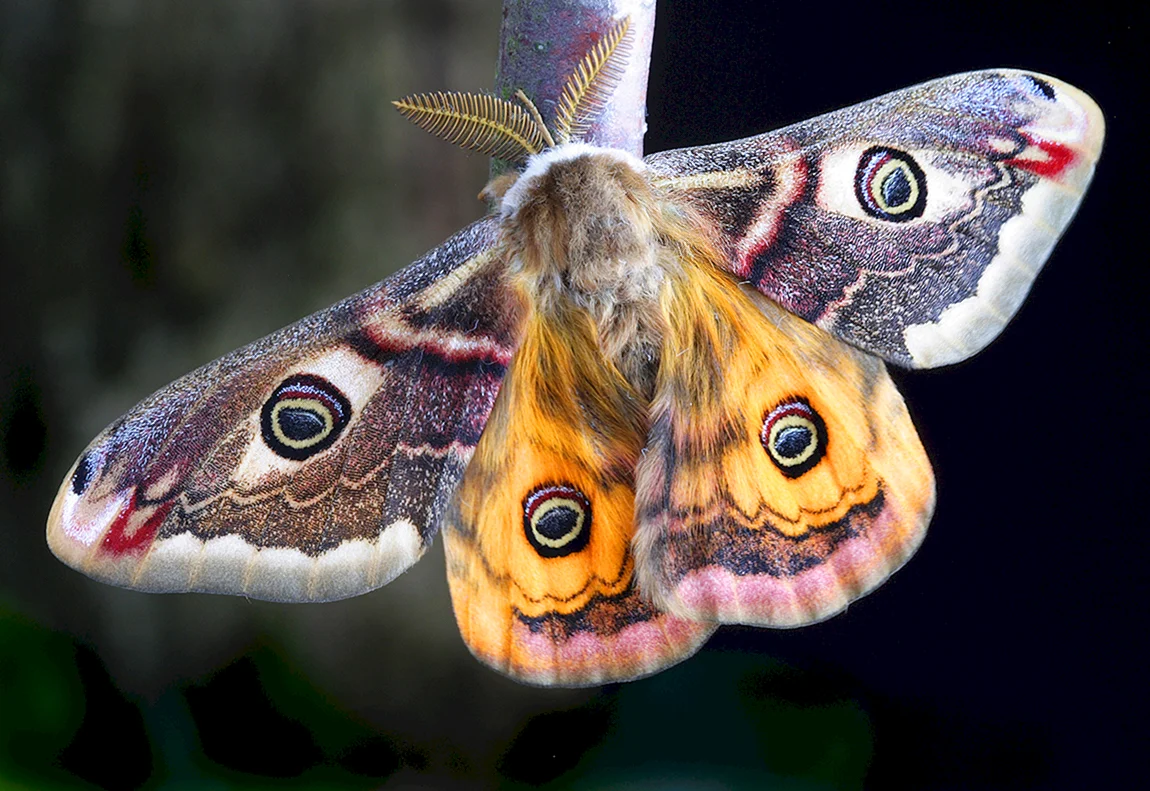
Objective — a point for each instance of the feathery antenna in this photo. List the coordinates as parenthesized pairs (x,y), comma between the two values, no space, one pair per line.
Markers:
(504,130)
(589,87)
(531,108)
(485,124)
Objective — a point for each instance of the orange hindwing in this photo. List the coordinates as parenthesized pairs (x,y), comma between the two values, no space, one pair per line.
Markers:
(538,543)
(783,477)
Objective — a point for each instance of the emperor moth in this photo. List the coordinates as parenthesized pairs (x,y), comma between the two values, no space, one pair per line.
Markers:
(641,398)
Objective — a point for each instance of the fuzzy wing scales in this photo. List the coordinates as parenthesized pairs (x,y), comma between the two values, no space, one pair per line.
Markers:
(912,225)
(313,464)
(538,541)
(782,476)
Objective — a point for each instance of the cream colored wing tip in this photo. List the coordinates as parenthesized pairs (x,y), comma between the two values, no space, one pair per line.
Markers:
(1090,129)
(66,549)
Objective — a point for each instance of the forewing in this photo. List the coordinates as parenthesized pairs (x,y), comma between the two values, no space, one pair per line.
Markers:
(313,464)
(539,555)
(782,477)
(911,225)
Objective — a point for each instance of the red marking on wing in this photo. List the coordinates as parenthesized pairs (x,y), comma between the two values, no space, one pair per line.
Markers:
(451,347)
(764,231)
(1044,158)
(118,541)
(303,391)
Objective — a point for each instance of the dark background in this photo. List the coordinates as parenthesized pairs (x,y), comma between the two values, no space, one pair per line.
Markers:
(179,178)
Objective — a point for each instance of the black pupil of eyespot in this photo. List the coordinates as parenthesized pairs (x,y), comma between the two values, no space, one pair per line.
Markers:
(557,523)
(896,188)
(300,424)
(83,474)
(792,441)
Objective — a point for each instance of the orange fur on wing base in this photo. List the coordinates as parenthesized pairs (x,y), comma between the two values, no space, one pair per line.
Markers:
(565,418)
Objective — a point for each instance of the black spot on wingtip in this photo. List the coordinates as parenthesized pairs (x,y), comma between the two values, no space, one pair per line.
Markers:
(1042,87)
(85,471)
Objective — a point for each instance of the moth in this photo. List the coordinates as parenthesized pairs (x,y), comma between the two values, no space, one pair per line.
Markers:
(640,399)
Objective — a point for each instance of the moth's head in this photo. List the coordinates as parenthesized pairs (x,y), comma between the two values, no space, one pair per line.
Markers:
(569,176)
(576,209)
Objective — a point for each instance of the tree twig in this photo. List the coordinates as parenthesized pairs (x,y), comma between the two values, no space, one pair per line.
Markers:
(541,42)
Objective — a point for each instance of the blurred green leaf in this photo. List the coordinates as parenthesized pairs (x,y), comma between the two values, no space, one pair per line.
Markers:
(722,720)
(41,702)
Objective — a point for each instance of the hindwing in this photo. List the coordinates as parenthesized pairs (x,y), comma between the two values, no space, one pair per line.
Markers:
(539,541)
(782,477)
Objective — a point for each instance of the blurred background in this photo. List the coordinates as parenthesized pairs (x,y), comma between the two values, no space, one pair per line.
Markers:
(178,178)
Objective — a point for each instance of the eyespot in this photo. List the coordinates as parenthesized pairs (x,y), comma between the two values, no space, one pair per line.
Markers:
(85,471)
(1041,87)
(557,520)
(794,436)
(890,185)
(304,416)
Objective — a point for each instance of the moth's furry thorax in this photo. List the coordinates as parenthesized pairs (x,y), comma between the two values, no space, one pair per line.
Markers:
(583,229)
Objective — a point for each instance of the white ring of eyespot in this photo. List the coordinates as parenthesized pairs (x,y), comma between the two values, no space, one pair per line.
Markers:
(313,405)
(545,508)
(879,178)
(793,421)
